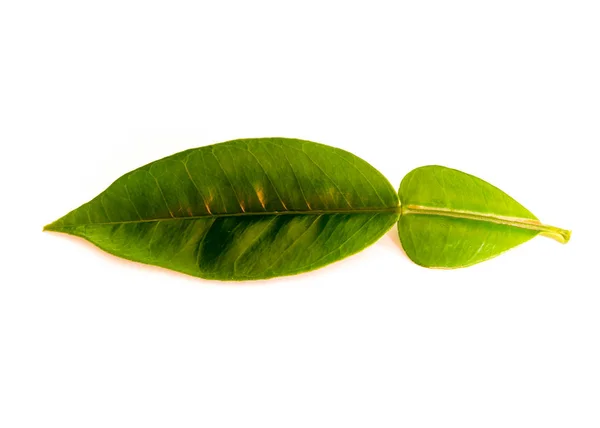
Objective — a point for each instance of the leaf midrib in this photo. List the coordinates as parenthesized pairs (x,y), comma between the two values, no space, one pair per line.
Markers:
(561,235)
(388,210)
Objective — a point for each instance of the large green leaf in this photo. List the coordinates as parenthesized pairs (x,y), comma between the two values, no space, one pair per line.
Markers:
(243,209)
(450,219)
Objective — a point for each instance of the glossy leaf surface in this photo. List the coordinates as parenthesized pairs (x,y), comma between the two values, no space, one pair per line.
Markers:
(243,209)
(451,219)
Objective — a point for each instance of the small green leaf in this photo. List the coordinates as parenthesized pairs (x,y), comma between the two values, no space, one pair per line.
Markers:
(244,209)
(450,219)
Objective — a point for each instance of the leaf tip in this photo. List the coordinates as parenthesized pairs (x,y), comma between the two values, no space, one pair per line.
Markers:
(50,227)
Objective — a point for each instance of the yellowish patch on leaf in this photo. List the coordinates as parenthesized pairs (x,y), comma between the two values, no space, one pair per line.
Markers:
(261,197)
(207,203)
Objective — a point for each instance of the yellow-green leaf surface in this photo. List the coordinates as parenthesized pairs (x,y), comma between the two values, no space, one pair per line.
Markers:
(450,219)
(243,209)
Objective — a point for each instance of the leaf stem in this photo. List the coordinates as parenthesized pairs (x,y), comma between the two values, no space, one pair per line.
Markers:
(556,233)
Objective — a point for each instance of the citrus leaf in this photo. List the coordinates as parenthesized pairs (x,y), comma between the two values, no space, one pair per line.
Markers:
(450,219)
(243,209)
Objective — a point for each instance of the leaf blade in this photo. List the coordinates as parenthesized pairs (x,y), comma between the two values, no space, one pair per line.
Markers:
(451,219)
(243,209)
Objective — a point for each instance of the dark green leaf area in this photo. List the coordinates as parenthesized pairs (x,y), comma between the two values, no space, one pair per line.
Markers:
(244,209)
(240,248)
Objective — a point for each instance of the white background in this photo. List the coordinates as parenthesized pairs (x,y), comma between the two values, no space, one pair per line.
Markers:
(508,91)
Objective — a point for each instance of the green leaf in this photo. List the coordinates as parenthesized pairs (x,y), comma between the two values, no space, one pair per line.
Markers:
(243,209)
(450,219)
